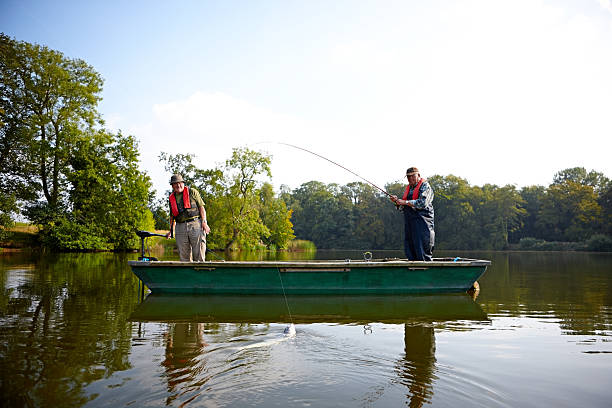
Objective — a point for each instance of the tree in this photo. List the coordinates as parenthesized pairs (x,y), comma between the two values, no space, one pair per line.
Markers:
(48,101)
(240,214)
(500,213)
(455,216)
(207,182)
(314,215)
(605,201)
(569,212)
(592,178)
(79,182)
(243,225)
(367,205)
(532,197)
(107,197)
(275,216)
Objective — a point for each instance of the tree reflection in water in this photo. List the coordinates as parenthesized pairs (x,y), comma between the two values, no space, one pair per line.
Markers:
(417,369)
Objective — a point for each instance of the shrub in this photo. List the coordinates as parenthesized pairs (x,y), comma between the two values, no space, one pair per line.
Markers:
(599,243)
(530,243)
(301,245)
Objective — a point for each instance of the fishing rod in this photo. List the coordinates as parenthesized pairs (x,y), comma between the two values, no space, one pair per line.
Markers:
(337,164)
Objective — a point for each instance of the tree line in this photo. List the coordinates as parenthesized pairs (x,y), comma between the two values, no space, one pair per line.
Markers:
(81,185)
(576,207)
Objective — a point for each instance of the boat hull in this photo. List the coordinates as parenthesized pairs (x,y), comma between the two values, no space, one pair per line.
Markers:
(310,277)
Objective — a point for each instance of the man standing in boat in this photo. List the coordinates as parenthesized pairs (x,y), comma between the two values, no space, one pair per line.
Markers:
(417,204)
(188,213)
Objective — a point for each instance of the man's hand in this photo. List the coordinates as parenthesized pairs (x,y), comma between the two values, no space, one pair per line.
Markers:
(205,227)
(394,199)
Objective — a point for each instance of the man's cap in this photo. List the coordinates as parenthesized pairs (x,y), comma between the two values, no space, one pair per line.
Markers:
(411,171)
(176,178)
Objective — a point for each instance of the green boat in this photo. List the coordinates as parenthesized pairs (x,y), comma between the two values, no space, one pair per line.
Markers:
(304,309)
(345,277)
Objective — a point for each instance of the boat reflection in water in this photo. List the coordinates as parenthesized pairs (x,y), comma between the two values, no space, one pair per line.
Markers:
(192,316)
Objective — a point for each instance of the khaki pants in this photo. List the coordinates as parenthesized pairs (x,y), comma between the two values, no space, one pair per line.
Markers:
(190,241)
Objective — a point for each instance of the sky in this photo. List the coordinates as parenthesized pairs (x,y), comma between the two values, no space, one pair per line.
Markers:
(493,91)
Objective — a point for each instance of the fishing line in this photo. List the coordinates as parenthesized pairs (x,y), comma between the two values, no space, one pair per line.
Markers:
(284,295)
(333,162)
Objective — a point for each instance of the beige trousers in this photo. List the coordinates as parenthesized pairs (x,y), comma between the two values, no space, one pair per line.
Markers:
(190,241)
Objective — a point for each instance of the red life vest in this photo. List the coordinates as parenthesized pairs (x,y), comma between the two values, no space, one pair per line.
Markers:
(415,193)
(186,202)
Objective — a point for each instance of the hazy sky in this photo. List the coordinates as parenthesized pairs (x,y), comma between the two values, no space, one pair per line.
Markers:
(502,92)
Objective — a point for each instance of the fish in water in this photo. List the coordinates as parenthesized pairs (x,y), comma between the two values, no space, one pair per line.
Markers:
(288,333)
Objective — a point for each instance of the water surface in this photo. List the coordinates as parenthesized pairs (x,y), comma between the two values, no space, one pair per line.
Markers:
(75,332)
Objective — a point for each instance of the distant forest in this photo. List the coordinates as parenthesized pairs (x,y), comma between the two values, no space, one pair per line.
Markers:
(574,212)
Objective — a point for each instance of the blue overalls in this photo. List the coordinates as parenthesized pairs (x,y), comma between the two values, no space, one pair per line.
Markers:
(419,230)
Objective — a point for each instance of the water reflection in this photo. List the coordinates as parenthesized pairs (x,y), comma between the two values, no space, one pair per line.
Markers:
(69,335)
(62,325)
(183,364)
(416,370)
(189,317)
(356,309)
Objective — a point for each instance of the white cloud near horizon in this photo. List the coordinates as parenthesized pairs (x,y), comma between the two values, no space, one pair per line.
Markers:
(495,92)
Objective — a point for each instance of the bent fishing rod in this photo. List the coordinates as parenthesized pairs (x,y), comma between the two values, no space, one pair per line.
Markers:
(337,164)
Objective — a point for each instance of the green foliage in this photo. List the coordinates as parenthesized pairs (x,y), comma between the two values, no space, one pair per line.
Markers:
(48,102)
(69,235)
(160,213)
(7,207)
(275,216)
(534,244)
(240,214)
(530,243)
(580,175)
(560,217)
(80,183)
(605,201)
(301,245)
(599,243)
(569,211)
(532,201)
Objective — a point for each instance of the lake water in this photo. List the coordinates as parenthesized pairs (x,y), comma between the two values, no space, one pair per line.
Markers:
(75,332)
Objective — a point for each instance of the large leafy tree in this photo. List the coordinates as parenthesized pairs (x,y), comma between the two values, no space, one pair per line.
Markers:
(605,201)
(532,197)
(595,179)
(48,102)
(242,210)
(108,192)
(455,213)
(569,212)
(78,181)
(276,217)
(500,213)
(242,226)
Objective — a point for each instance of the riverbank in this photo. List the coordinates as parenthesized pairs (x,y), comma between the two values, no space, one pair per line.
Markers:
(25,236)
(20,236)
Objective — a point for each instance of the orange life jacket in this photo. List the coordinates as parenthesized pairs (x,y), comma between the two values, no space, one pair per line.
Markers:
(415,193)
(186,202)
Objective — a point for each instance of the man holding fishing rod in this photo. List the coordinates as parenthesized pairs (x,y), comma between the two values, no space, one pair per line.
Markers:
(417,204)
(187,210)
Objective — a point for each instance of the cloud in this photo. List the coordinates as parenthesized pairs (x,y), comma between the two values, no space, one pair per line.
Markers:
(606,5)
(483,89)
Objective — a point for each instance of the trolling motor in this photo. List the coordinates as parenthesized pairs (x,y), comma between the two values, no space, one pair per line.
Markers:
(143,235)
